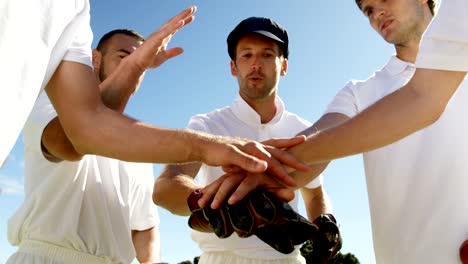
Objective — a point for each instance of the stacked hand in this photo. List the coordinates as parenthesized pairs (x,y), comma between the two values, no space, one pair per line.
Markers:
(272,220)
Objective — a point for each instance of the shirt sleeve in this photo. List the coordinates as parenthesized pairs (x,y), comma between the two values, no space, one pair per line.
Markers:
(318,181)
(143,212)
(444,45)
(198,123)
(344,102)
(43,112)
(79,49)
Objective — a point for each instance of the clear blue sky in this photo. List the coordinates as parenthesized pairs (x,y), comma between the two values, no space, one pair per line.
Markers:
(330,43)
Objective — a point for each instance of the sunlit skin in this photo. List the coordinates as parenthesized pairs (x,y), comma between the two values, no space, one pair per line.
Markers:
(399,22)
(258,67)
(117,47)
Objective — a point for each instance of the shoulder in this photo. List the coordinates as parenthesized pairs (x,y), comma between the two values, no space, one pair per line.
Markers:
(293,118)
(204,122)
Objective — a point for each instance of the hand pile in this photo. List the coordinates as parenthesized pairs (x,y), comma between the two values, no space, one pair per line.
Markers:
(272,220)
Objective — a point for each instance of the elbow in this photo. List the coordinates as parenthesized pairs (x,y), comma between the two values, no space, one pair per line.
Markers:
(161,196)
(435,113)
(72,155)
(81,139)
(158,197)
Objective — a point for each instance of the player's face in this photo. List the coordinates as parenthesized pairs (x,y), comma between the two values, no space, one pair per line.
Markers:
(258,67)
(397,21)
(117,47)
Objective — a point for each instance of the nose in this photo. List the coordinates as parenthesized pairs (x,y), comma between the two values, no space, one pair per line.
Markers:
(378,12)
(256,63)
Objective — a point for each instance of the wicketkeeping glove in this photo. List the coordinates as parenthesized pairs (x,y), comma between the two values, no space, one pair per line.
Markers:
(269,218)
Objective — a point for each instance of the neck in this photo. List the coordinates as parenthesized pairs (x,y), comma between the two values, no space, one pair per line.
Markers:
(409,52)
(265,108)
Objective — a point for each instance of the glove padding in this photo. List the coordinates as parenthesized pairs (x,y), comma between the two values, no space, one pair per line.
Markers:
(260,213)
(327,243)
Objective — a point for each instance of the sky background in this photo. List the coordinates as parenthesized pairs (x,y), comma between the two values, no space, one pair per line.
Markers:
(331,43)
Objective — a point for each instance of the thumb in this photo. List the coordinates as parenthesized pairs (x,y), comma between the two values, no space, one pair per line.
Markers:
(284,194)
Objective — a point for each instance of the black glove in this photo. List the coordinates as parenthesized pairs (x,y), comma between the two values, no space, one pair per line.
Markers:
(327,242)
(260,213)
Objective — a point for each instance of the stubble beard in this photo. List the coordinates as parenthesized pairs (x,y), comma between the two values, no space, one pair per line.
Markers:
(102,72)
(257,92)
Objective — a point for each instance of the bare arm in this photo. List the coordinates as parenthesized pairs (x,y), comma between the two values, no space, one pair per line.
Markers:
(147,245)
(55,143)
(93,128)
(240,186)
(174,185)
(414,106)
(316,202)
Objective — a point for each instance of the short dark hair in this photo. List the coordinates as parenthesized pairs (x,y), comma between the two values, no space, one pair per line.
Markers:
(430,3)
(110,34)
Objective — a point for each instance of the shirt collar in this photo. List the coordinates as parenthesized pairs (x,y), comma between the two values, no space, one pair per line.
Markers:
(247,114)
(396,66)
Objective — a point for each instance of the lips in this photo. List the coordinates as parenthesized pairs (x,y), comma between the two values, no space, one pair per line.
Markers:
(385,24)
(255,77)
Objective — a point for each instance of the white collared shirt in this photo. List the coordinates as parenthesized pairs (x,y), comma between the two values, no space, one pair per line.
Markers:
(240,120)
(445,43)
(417,185)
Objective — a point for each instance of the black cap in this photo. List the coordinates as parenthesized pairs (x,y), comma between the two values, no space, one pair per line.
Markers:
(260,25)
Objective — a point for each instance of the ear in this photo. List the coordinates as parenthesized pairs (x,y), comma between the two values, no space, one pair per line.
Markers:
(96,59)
(233,68)
(284,67)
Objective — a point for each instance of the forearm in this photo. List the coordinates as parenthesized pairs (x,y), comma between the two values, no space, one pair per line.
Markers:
(147,245)
(303,178)
(139,142)
(57,146)
(415,106)
(316,202)
(117,88)
(173,187)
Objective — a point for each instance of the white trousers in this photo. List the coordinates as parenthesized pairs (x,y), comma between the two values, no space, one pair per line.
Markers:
(227,257)
(37,252)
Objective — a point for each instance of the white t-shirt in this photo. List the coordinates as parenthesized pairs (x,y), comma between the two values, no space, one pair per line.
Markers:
(89,205)
(35,36)
(417,185)
(240,120)
(445,42)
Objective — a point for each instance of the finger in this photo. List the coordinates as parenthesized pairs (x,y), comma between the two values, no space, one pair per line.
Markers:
(173,52)
(209,192)
(274,165)
(284,194)
(226,188)
(246,186)
(231,169)
(171,26)
(284,142)
(183,18)
(246,161)
(288,159)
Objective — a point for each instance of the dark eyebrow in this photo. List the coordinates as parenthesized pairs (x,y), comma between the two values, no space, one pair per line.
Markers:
(124,51)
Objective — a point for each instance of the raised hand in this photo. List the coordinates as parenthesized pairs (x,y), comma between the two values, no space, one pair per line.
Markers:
(153,52)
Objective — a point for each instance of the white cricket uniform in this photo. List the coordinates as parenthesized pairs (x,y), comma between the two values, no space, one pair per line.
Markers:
(417,185)
(445,43)
(35,36)
(240,120)
(79,212)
